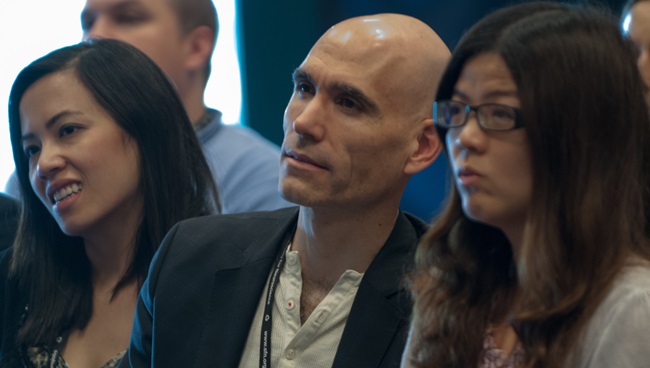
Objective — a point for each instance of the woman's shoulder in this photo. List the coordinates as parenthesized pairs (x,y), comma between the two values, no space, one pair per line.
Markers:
(631,289)
(618,330)
(634,279)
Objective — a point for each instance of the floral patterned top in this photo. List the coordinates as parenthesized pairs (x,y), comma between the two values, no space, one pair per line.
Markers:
(46,356)
(41,357)
(493,357)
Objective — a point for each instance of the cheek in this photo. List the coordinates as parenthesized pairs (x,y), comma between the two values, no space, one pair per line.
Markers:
(38,186)
(517,172)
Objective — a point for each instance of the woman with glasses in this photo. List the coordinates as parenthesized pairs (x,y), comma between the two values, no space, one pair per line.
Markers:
(540,258)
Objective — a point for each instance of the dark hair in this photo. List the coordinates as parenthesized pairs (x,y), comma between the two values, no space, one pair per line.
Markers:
(195,13)
(587,127)
(175,181)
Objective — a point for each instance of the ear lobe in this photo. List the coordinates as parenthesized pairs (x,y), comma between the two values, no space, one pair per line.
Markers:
(429,147)
(200,43)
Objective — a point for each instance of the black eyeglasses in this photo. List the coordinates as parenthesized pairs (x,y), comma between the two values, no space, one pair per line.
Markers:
(453,114)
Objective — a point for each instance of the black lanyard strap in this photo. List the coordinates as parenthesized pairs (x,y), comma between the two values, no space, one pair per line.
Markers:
(267,320)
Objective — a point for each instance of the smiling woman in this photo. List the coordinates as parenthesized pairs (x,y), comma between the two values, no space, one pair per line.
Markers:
(107,162)
(77,153)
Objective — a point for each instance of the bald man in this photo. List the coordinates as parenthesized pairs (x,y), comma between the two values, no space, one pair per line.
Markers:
(319,285)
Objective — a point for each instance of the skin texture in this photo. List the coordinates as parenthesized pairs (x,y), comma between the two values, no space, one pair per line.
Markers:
(153,27)
(492,169)
(357,126)
(639,32)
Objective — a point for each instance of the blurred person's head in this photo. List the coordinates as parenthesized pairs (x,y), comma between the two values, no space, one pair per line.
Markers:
(179,35)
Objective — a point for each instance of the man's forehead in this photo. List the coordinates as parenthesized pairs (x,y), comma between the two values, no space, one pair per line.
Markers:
(338,67)
(366,81)
(354,57)
(367,42)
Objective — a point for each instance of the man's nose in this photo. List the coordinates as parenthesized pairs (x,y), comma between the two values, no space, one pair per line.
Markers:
(309,120)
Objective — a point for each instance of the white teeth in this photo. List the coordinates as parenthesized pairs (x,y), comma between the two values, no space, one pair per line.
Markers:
(67,191)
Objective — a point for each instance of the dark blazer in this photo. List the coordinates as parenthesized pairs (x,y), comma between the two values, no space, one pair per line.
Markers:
(205,283)
(8,220)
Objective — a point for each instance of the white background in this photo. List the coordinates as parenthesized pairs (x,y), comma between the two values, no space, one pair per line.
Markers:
(30,29)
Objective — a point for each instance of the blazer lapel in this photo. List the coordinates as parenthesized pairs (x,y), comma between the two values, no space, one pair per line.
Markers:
(376,329)
(231,314)
(369,332)
(234,299)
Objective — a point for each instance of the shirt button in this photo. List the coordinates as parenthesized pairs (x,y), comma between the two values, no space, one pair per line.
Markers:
(291,304)
(290,354)
(291,260)
(322,316)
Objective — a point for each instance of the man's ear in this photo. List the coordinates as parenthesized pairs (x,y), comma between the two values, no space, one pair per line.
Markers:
(428,149)
(199,46)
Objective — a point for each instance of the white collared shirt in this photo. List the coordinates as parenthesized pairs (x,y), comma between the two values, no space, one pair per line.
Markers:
(313,344)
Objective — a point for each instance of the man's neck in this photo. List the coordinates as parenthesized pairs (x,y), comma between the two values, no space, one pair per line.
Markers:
(193,103)
(329,244)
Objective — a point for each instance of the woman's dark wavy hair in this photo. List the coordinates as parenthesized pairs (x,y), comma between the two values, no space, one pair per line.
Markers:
(587,129)
(175,181)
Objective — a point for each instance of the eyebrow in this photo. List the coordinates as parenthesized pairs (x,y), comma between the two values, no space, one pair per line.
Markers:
(51,121)
(341,87)
(492,94)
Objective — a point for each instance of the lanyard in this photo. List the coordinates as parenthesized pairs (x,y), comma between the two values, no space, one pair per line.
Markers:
(265,337)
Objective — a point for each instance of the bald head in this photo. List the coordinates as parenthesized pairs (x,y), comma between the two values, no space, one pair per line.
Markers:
(402,55)
(360,114)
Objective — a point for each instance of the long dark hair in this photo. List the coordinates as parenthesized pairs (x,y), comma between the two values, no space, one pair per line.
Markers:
(175,181)
(587,129)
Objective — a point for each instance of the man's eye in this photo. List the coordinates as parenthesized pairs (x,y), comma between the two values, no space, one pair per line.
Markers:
(303,87)
(348,103)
